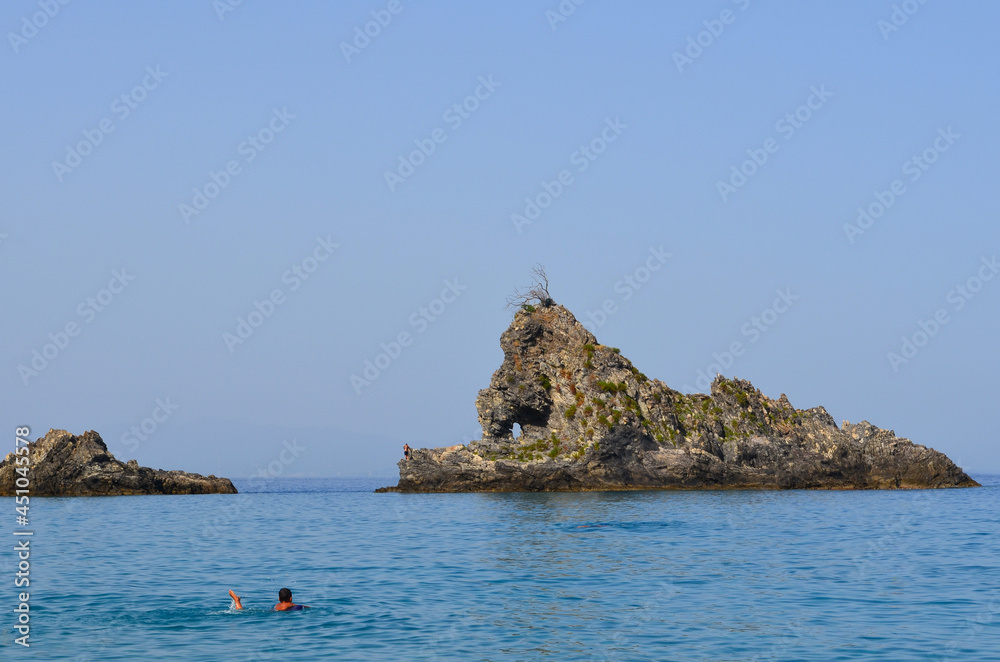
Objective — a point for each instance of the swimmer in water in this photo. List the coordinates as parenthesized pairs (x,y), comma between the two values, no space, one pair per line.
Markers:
(284,601)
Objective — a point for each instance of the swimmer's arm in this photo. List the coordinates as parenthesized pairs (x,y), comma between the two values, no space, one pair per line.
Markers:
(236,599)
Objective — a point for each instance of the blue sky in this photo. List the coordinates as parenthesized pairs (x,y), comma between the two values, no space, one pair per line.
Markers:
(175,171)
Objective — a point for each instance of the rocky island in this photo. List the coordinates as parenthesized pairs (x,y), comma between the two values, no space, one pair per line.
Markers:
(590,420)
(62,464)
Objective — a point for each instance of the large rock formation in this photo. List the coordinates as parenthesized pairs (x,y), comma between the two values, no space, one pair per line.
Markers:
(62,464)
(590,420)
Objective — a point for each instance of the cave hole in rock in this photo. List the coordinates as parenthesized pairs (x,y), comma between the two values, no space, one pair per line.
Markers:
(516,430)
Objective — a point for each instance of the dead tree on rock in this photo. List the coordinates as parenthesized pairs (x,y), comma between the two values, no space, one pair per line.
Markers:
(538,292)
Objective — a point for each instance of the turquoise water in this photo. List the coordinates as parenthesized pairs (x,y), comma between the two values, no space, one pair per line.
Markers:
(733,575)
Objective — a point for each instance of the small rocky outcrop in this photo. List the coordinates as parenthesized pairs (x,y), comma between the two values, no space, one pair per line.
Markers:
(590,420)
(62,464)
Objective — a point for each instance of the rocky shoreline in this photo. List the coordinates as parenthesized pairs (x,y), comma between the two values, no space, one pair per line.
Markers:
(590,420)
(62,464)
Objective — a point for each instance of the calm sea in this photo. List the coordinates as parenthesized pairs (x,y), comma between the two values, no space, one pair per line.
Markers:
(728,575)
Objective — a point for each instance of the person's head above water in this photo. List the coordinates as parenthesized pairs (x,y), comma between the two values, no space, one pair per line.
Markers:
(284,597)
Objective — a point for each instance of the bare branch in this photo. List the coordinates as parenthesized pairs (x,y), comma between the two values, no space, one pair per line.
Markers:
(537,291)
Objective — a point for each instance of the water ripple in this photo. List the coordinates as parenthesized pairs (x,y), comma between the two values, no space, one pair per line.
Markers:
(595,576)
